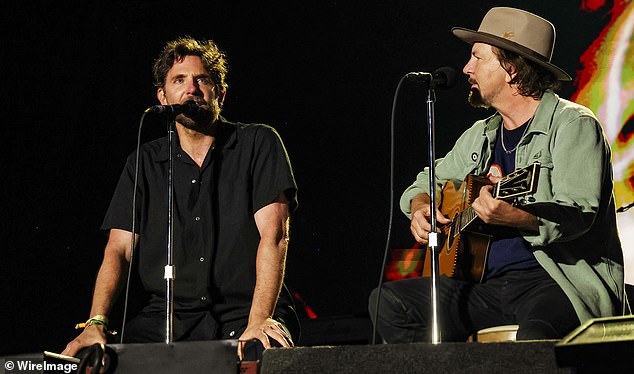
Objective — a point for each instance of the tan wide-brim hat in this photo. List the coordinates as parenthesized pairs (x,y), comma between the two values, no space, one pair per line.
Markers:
(517,31)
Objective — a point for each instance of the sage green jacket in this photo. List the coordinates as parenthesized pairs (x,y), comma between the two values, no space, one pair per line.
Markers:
(577,242)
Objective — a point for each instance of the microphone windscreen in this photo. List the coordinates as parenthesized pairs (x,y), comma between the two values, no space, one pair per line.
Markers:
(448,75)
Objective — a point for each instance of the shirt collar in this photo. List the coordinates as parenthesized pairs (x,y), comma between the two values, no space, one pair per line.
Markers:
(545,112)
(543,115)
(226,138)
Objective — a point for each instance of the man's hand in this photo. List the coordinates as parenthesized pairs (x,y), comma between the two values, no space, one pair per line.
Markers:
(491,210)
(498,212)
(421,214)
(110,279)
(91,335)
(262,331)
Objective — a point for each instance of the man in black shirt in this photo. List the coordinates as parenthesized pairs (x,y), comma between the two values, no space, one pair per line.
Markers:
(233,192)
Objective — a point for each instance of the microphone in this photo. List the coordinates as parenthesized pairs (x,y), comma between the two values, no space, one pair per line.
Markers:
(443,77)
(188,107)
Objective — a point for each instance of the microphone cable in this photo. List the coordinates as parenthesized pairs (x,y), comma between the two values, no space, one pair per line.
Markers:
(391,214)
(132,241)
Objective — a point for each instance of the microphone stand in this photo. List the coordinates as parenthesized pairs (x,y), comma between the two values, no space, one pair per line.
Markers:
(433,235)
(169,274)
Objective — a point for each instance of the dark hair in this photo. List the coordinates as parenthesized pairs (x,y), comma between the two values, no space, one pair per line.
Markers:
(531,79)
(213,59)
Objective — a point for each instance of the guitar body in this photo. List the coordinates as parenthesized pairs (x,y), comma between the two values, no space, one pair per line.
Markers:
(464,242)
(463,254)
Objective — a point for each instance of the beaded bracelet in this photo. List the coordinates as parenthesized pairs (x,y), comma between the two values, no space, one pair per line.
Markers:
(99,319)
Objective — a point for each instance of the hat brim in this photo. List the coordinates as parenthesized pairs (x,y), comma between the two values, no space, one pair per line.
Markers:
(471,36)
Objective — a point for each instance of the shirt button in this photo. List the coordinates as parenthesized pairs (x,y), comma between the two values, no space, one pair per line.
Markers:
(197,218)
(204,298)
(202,259)
(193,181)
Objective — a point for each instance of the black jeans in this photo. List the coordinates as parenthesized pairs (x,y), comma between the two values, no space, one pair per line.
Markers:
(529,298)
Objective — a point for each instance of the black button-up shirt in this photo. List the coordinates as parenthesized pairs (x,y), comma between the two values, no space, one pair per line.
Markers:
(215,235)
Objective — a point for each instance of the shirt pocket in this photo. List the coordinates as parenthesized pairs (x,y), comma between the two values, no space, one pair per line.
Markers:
(544,182)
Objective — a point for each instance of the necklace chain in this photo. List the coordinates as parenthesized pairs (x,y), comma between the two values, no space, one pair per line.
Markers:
(508,152)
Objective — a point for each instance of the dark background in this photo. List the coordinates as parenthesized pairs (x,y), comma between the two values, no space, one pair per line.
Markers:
(77,78)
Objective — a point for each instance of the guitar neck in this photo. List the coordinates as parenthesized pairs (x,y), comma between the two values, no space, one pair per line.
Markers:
(518,183)
(466,217)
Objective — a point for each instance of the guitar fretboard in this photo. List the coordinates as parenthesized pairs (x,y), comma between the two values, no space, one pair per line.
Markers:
(466,217)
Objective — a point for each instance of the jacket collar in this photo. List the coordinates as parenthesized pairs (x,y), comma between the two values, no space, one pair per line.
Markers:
(543,115)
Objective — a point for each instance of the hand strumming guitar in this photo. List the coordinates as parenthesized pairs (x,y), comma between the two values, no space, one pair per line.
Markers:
(421,213)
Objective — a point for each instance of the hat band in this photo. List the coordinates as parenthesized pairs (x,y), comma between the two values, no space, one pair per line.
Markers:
(518,47)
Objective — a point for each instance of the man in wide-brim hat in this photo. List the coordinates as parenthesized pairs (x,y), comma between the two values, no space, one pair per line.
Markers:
(552,255)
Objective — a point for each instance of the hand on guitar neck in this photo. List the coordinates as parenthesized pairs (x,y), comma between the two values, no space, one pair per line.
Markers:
(494,211)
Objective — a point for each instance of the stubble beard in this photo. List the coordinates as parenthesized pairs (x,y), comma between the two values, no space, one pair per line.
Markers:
(203,121)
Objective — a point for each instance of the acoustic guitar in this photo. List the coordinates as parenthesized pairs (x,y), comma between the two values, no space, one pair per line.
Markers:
(466,240)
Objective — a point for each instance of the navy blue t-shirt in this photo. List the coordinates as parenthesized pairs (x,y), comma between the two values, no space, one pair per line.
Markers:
(509,251)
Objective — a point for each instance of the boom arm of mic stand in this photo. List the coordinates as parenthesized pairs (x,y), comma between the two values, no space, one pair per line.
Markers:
(433,236)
